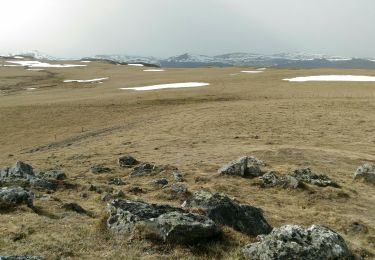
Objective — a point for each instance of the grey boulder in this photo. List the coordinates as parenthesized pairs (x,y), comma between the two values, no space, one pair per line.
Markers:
(244,167)
(294,242)
(10,197)
(184,228)
(365,172)
(223,210)
(123,215)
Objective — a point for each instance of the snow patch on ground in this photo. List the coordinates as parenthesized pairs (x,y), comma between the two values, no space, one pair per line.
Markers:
(84,80)
(86,61)
(38,64)
(35,69)
(252,71)
(171,85)
(333,78)
(135,64)
(154,70)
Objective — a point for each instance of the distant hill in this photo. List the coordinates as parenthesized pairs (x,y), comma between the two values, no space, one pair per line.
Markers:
(188,60)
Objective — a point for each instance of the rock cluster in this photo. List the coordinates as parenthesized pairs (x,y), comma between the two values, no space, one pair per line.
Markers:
(225,211)
(295,242)
(22,174)
(244,167)
(296,179)
(26,257)
(307,176)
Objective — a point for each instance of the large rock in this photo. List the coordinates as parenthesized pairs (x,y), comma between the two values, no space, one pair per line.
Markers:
(185,228)
(244,167)
(127,161)
(18,171)
(307,176)
(125,214)
(10,197)
(365,172)
(295,242)
(22,174)
(223,210)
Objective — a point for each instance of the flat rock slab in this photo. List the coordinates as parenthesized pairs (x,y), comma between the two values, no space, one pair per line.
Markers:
(11,197)
(123,215)
(223,210)
(183,228)
(295,242)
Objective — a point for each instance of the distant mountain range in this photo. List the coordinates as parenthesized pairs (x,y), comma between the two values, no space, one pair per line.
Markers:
(188,60)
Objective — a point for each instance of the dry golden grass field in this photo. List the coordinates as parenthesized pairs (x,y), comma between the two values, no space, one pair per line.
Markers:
(329,127)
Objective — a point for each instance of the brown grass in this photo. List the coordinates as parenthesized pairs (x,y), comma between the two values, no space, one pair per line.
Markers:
(326,126)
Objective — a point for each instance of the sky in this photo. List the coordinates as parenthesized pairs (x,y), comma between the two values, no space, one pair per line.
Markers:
(163,28)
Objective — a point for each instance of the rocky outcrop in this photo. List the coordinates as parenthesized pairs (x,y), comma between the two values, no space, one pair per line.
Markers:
(125,214)
(11,197)
(307,176)
(295,242)
(244,167)
(22,174)
(366,173)
(127,161)
(223,210)
(163,222)
(272,179)
(183,228)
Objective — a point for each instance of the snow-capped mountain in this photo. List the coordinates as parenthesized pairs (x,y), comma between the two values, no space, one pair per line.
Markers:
(127,59)
(190,60)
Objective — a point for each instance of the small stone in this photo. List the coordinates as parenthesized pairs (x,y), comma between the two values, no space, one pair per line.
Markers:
(98,169)
(179,188)
(116,181)
(118,194)
(106,196)
(55,174)
(357,228)
(127,161)
(136,190)
(161,182)
(178,177)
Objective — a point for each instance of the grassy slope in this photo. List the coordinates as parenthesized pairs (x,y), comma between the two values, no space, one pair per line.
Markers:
(326,126)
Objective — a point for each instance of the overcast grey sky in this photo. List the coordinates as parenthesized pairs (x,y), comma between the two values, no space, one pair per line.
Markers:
(164,28)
